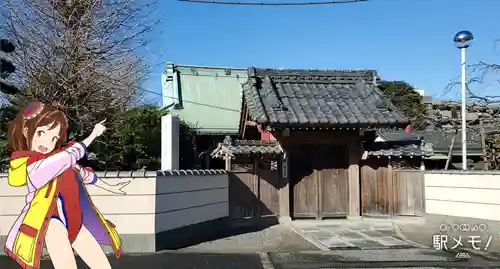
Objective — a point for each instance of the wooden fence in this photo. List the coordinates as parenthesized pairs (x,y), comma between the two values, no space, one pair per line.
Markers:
(253,191)
(409,192)
(386,192)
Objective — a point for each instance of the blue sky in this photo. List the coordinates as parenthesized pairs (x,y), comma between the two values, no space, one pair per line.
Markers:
(409,40)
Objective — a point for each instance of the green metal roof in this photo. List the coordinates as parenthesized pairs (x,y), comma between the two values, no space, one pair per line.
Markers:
(209,98)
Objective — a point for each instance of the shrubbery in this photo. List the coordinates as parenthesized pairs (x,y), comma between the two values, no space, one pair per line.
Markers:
(132,142)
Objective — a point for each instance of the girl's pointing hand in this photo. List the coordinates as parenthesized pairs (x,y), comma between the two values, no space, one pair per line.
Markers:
(117,188)
(99,129)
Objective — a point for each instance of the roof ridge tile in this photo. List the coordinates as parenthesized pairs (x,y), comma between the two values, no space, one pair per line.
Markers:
(287,97)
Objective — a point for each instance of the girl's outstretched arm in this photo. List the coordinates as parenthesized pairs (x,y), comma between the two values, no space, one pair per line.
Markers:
(90,178)
(42,171)
(88,175)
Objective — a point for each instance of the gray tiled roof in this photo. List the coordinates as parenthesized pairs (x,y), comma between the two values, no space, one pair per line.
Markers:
(398,149)
(318,97)
(399,136)
(247,147)
(439,139)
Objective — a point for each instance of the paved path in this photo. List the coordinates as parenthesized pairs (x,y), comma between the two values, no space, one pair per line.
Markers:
(271,239)
(421,231)
(381,258)
(170,260)
(350,234)
(341,243)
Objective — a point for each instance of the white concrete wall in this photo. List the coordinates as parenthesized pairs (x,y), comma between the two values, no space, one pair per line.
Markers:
(155,201)
(138,204)
(185,198)
(471,194)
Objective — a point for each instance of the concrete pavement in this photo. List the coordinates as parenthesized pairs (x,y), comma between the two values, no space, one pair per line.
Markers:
(269,239)
(379,258)
(386,243)
(350,234)
(421,230)
(169,260)
(359,243)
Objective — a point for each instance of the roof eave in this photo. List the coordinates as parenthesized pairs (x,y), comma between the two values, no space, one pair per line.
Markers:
(333,126)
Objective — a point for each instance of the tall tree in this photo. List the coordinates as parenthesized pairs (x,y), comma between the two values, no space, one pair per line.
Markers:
(486,74)
(84,56)
(404,96)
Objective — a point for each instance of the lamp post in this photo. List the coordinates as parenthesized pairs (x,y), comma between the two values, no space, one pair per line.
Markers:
(462,41)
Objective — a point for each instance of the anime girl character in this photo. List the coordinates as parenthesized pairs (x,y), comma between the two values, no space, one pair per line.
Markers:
(59,212)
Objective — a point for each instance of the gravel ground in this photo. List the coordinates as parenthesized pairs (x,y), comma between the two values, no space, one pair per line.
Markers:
(275,238)
(421,230)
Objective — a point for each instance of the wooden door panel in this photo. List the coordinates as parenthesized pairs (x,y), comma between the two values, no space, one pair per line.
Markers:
(242,200)
(334,181)
(253,191)
(334,195)
(408,196)
(305,182)
(376,189)
(320,181)
(268,185)
(305,197)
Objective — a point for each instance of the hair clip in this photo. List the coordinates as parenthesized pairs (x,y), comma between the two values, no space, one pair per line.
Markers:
(32,110)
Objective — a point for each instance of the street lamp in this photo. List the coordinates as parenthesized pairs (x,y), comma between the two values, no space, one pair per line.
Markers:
(462,41)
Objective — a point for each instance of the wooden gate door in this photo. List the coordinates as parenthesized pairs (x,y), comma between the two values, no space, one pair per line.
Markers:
(253,190)
(376,189)
(409,192)
(333,183)
(387,193)
(242,188)
(320,181)
(305,182)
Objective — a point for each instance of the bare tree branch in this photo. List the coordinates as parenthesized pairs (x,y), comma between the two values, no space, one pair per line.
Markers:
(485,108)
(85,56)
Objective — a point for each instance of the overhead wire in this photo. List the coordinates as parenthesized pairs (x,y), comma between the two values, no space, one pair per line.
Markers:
(191,102)
(422,124)
(346,97)
(251,3)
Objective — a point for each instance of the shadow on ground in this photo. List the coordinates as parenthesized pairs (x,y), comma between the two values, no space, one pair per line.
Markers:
(166,261)
(262,237)
(217,230)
